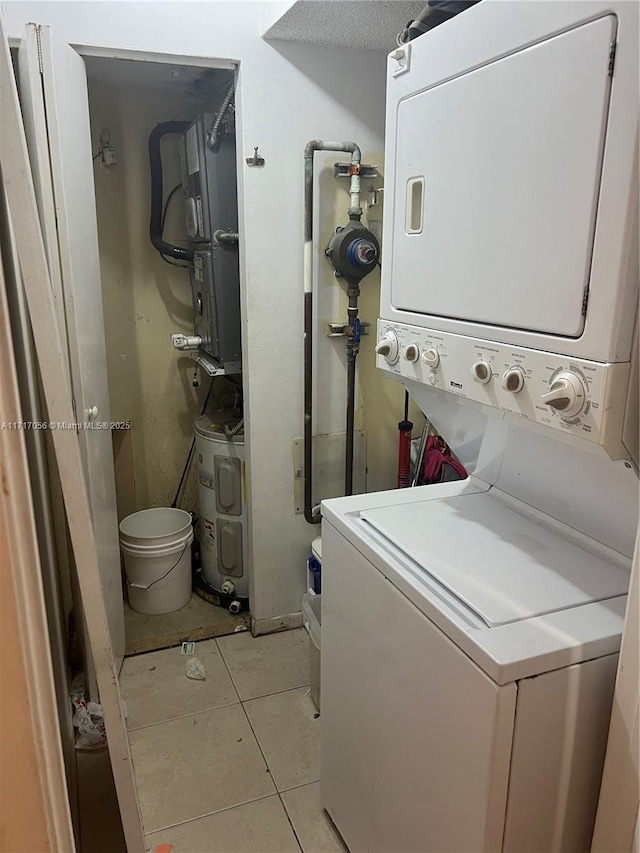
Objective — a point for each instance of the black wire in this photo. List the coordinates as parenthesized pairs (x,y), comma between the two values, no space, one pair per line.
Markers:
(174,263)
(191,447)
(166,206)
(162,221)
(166,574)
(406,405)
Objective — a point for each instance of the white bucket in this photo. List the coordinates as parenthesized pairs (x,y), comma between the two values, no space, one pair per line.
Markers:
(157,559)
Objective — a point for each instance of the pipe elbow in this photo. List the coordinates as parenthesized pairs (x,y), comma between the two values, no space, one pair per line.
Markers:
(354,150)
(311,146)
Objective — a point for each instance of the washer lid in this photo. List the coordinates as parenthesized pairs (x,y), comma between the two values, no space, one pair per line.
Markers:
(506,562)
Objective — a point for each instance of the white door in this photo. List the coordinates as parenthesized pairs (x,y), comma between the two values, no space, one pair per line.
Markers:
(496,186)
(40,292)
(53,88)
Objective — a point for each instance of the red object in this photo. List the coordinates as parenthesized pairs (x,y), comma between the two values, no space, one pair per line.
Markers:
(404,454)
(438,464)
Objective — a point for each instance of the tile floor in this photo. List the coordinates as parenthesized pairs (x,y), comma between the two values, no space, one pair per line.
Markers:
(230,764)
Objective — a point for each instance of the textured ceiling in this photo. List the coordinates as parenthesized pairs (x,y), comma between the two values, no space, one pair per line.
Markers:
(370,24)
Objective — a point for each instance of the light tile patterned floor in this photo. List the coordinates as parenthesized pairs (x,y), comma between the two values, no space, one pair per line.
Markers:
(230,764)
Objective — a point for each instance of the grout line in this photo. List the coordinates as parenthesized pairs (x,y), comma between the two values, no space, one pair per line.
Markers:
(210,814)
(226,666)
(264,758)
(276,692)
(131,729)
(295,787)
(262,695)
(272,779)
(291,822)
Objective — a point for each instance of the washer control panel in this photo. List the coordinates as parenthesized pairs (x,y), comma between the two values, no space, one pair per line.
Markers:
(582,398)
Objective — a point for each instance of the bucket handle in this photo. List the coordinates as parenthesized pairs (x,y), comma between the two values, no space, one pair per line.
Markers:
(157,580)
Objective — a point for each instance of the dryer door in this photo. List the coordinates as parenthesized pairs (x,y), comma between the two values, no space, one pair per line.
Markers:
(497,183)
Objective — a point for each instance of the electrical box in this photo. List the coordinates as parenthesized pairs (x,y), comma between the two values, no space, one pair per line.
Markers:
(211,221)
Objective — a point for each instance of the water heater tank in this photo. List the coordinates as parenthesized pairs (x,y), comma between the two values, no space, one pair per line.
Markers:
(222,504)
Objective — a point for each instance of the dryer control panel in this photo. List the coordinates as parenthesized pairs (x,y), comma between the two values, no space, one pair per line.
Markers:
(579,397)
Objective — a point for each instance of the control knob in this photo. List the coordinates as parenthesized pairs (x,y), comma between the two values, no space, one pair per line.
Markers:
(513,379)
(481,372)
(567,395)
(431,357)
(411,352)
(389,348)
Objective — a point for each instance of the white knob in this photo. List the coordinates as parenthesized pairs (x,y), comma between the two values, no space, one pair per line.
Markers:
(431,357)
(389,348)
(411,352)
(92,412)
(481,372)
(566,395)
(513,380)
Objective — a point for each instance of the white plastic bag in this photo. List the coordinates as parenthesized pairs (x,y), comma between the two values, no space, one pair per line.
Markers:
(87,718)
(195,670)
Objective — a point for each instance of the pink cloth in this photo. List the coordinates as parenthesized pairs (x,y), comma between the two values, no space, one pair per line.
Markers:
(437,457)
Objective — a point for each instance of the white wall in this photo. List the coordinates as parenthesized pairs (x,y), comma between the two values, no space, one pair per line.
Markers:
(288,94)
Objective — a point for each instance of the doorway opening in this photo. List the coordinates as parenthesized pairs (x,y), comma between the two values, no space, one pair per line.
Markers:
(175,404)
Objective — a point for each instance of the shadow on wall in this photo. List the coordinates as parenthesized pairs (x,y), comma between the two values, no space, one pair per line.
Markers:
(379,400)
(329,67)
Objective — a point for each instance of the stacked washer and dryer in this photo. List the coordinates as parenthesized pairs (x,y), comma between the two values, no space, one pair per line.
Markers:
(466,699)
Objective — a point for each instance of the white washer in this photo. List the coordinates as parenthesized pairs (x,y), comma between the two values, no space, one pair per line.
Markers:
(469,657)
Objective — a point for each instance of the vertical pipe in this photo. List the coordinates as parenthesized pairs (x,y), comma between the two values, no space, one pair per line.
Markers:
(309,514)
(352,347)
(351,393)
(354,210)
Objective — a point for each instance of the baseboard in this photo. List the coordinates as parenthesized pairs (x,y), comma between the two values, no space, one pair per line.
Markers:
(276,623)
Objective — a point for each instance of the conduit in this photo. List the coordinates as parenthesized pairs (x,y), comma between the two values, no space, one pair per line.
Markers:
(155,161)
